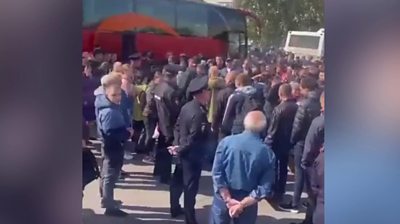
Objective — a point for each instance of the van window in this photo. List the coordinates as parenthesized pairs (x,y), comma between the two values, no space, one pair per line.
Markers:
(311,42)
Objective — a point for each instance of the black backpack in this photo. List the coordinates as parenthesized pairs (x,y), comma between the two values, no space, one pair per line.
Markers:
(250,103)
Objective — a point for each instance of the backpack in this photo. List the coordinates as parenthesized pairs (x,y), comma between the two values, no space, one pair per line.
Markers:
(250,103)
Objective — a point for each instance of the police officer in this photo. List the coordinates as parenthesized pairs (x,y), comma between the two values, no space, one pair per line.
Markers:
(190,142)
(167,104)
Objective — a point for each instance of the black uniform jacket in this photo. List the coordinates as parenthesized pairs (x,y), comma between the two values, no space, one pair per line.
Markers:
(167,104)
(191,131)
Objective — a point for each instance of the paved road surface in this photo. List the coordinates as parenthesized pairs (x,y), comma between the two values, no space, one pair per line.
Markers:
(148,202)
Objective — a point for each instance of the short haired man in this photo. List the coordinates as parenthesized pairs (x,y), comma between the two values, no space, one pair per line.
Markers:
(242,175)
(166,97)
(309,109)
(278,136)
(222,100)
(236,110)
(114,132)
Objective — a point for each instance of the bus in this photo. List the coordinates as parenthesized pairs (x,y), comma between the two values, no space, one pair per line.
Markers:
(304,43)
(161,26)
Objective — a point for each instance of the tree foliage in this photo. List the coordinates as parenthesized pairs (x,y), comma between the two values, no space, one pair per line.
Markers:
(280,16)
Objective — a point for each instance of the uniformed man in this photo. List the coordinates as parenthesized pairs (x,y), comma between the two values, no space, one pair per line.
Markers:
(190,143)
(166,99)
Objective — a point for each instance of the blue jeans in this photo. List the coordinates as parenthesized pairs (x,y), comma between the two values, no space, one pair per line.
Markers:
(111,169)
(220,213)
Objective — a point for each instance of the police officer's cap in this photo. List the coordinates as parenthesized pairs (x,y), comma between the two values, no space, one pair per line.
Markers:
(97,51)
(171,70)
(135,56)
(198,84)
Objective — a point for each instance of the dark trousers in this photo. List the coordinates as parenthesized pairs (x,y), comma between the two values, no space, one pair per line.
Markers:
(185,180)
(149,126)
(163,160)
(110,171)
(298,176)
(318,217)
(311,198)
(282,161)
(220,213)
(138,127)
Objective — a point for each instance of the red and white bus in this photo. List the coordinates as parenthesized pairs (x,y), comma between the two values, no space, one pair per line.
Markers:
(161,26)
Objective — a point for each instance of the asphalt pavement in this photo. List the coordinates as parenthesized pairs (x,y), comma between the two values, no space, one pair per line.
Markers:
(147,201)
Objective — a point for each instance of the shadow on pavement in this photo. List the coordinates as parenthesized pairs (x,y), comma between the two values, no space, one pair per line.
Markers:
(145,181)
(154,215)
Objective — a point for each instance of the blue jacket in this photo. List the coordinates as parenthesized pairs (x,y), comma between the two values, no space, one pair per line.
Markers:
(110,120)
(126,106)
(240,167)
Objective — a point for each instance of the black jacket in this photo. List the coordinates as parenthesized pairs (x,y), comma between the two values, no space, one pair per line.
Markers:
(191,131)
(167,104)
(183,83)
(271,101)
(222,100)
(314,141)
(309,109)
(281,125)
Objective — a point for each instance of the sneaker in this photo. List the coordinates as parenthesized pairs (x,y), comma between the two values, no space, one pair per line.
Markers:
(148,160)
(115,212)
(289,208)
(123,175)
(116,204)
(128,156)
(305,204)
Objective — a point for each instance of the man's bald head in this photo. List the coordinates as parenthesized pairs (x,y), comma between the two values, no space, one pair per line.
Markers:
(117,67)
(255,121)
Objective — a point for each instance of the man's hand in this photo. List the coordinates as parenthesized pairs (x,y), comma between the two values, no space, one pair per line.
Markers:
(231,202)
(236,210)
(130,130)
(173,150)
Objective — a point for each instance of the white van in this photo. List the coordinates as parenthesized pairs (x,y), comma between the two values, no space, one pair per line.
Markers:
(304,43)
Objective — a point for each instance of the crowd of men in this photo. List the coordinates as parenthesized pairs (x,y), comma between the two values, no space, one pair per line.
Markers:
(251,118)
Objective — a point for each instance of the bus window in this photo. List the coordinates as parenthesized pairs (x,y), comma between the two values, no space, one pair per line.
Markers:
(235,22)
(216,25)
(162,10)
(96,10)
(192,19)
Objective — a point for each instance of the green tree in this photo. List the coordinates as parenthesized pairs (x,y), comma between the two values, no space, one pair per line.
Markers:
(280,16)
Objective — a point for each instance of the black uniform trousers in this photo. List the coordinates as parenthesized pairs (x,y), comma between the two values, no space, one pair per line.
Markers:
(149,126)
(282,161)
(185,180)
(163,160)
